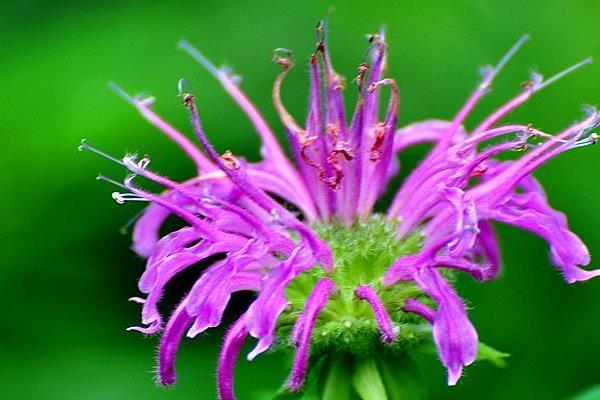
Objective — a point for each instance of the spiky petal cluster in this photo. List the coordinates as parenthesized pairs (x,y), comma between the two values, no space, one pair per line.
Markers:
(341,169)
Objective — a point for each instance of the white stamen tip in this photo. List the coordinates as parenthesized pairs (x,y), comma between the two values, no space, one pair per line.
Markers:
(82,145)
(123,197)
(143,163)
(117,197)
(137,300)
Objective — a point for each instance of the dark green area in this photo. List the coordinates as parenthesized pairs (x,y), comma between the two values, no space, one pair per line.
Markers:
(66,272)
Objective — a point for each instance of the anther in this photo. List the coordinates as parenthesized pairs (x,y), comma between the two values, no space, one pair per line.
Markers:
(283,57)
(137,300)
(592,139)
(360,78)
(121,198)
(186,97)
(320,30)
(143,163)
(230,161)
(479,170)
(379,133)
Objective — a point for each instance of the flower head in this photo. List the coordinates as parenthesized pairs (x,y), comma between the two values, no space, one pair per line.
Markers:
(332,277)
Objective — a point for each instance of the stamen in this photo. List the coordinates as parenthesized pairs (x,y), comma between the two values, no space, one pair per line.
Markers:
(505,59)
(84,146)
(121,198)
(236,79)
(489,75)
(590,140)
(192,51)
(132,163)
(283,57)
(117,89)
(379,133)
(137,300)
(541,85)
(338,174)
(124,230)
(534,85)
(143,105)
(101,177)
(360,78)
(230,161)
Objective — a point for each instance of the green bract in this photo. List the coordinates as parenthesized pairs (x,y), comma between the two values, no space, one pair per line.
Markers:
(362,253)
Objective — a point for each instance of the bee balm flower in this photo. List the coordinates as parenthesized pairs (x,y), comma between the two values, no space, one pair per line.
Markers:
(335,280)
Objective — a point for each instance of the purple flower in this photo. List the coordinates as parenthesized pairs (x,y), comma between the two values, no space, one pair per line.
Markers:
(331,275)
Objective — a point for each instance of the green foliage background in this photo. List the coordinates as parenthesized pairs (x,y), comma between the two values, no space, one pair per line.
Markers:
(66,272)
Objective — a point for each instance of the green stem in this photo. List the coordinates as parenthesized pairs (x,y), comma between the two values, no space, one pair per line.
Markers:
(371,377)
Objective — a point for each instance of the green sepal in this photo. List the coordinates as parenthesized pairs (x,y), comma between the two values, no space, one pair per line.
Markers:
(484,353)
(380,376)
(487,353)
(335,379)
(367,380)
(284,394)
(592,393)
(402,378)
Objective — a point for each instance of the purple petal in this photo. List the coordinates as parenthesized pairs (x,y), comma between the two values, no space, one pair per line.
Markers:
(567,250)
(316,301)
(234,339)
(453,333)
(423,132)
(211,293)
(487,245)
(179,321)
(263,312)
(416,307)
(367,293)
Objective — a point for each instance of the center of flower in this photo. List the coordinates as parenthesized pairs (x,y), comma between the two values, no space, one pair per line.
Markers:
(362,254)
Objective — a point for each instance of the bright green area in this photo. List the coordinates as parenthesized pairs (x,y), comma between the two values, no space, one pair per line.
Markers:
(362,254)
(66,272)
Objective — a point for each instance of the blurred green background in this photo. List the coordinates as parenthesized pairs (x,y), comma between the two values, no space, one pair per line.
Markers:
(66,272)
